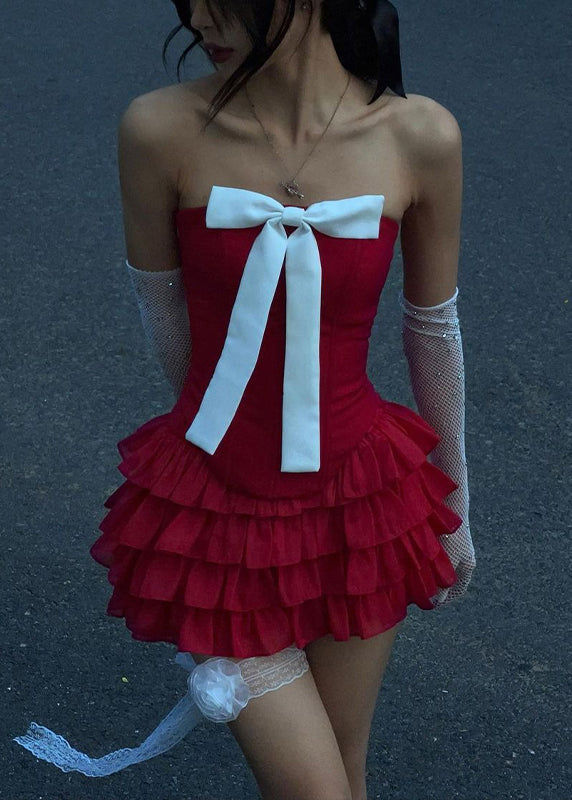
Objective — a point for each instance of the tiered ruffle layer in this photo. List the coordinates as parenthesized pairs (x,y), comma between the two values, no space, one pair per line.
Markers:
(212,570)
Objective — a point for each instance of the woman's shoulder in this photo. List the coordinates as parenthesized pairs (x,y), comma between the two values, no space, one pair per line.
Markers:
(167,103)
(162,119)
(426,126)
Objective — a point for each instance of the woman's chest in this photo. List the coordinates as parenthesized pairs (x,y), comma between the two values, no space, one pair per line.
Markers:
(346,163)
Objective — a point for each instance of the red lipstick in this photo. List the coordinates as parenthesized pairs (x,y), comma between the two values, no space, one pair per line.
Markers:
(217,53)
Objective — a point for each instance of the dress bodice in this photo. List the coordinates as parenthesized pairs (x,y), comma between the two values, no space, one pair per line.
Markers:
(287,295)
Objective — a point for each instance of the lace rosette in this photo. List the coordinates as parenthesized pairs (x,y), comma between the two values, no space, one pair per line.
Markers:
(218,689)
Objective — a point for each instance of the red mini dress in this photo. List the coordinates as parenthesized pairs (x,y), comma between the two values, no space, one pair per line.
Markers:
(229,553)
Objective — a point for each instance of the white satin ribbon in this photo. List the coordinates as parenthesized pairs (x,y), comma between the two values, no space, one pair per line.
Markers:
(228,207)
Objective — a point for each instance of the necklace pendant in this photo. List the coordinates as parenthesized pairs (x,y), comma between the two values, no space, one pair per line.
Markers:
(292,188)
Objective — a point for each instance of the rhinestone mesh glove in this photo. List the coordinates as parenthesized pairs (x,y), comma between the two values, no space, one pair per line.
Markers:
(432,344)
(165,318)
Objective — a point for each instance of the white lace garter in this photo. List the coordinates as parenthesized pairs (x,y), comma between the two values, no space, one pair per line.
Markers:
(218,689)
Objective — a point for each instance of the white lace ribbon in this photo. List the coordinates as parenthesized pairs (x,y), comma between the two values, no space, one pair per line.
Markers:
(228,207)
(218,689)
(49,746)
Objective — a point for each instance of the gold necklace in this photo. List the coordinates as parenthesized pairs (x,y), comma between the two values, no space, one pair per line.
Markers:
(291,187)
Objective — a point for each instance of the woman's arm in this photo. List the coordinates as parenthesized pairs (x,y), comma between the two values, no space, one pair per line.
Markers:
(431,226)
(148,180)
(430,326)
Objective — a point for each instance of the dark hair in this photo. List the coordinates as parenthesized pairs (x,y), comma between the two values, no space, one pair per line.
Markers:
(365,34)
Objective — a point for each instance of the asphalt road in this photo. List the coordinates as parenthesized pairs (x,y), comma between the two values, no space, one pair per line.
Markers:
(476,700)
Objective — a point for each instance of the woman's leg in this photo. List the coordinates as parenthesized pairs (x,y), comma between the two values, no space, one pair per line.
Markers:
(288,741)
(348,677)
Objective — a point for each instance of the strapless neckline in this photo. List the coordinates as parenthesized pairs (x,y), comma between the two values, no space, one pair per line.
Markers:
(196,209)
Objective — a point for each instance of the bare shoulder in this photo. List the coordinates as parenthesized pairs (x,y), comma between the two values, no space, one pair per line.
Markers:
(430,133)
(426,125)
(157,114)
(159,125)
(144,125)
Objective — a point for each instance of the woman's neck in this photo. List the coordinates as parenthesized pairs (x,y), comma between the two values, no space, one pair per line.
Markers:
(295,98)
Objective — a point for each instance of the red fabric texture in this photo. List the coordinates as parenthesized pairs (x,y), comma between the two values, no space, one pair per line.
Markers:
(225,555)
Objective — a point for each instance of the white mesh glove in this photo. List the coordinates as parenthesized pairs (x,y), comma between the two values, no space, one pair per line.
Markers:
(433,347)
(165,318)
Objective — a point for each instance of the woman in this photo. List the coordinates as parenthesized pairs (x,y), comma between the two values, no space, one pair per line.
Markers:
(277,523)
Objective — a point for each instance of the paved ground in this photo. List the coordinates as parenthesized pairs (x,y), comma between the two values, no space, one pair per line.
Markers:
(476,700)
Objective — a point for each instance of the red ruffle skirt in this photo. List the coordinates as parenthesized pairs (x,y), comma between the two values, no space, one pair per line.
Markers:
(215,571)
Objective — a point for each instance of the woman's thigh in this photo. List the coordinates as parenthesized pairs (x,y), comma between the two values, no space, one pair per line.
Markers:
(288,740)
(348,677)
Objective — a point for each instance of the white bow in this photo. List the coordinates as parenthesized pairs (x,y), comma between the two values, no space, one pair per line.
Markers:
(228,207)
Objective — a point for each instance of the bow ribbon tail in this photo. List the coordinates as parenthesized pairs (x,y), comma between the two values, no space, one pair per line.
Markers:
(243,340)
(301,400)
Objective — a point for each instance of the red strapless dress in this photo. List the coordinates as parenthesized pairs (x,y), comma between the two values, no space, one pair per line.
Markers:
(225,554)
